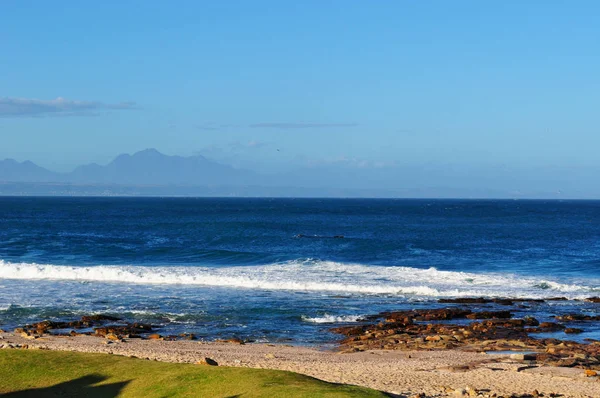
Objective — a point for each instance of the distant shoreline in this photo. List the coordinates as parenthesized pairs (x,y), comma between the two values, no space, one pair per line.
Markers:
(80,193)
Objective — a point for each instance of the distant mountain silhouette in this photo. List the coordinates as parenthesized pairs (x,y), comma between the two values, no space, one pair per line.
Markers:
(150,167)
(151,173)
(13,171)
(147,167)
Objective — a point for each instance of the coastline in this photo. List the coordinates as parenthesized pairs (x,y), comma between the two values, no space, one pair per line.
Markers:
(400,373)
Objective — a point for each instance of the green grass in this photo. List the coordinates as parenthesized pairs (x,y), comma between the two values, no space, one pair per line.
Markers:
(29,373)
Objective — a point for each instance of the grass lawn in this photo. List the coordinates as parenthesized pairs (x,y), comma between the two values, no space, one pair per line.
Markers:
(33,373)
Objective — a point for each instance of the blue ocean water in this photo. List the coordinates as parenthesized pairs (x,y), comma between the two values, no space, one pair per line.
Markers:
(287,269)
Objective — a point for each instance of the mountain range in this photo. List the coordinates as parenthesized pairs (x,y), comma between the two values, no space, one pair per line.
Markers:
(151,173)
(147,167)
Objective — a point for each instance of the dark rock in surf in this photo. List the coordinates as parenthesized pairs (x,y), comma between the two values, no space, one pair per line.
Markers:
(573,330)
(593,299)
(490,315)
(576,317)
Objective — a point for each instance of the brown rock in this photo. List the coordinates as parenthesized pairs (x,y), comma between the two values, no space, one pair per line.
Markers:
(90,320)
(460,392)
(590,373)
(490,315)
(112,336)
(471,391)
(576,317)
(29,336)
(593,299)
(207,361)
(573,330)
(466,300)
(551,326)
(530,321)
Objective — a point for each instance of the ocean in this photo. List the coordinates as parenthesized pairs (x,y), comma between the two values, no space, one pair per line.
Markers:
(287,270)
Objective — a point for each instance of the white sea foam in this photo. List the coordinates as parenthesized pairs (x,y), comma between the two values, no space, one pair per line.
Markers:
(323,276)
(333,318)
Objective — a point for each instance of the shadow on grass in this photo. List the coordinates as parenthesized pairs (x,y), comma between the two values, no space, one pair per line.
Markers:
(81,387)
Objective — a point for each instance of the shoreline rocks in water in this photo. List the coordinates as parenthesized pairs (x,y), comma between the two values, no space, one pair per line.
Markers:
(425,329)
(417,345)
(490,331)
(101,325)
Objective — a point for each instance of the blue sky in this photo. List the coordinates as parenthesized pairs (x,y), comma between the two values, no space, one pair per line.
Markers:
(475,84)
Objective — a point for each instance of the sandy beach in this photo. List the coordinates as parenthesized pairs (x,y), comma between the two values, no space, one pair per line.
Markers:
(400,373)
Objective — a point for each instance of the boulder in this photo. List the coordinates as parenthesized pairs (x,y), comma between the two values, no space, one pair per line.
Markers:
(573,330)
(593,299)
(490,315)
(207,361)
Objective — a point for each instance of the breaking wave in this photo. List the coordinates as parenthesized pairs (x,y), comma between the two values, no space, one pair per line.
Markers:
(333,318)
(317,276)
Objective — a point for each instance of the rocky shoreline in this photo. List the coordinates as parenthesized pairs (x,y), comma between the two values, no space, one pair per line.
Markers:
(421,353)
(486,331)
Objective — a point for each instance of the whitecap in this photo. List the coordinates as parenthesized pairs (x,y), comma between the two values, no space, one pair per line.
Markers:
(314,276)
(326,318)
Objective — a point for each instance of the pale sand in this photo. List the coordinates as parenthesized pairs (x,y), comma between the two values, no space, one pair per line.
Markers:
(435,373)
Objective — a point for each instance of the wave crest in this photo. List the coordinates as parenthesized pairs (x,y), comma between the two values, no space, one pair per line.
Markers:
(333,318)
(312,275)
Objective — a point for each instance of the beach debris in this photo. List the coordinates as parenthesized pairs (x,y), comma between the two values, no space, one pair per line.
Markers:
(155,336)
(207,361)
(270,356)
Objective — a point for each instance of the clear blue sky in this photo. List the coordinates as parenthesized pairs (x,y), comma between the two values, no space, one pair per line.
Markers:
(475,83)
